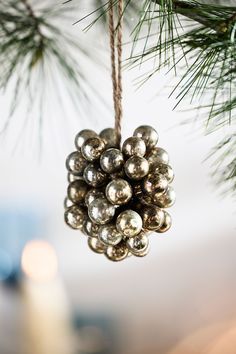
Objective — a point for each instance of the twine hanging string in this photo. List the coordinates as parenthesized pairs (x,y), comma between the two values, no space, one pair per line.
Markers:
(116,59)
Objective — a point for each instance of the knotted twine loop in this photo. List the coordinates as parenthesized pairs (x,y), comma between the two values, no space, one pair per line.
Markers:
(116,59)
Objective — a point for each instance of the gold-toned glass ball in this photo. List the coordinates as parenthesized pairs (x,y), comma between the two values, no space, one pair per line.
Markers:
(136,167)
(145,199)
(129,223)
(90,228)
(67,203)
(153,217)
(72,178)
(94,176)
(167,199)
(109,235)
(117,253)
(92,195)
(95,245)
(148,134)
(75,217)
(92,148)
(111,160)
(165,170)
(138,244)
(155,184)
(109,135)
(166,224)
(134,146)
(101,211)
(118,191)
(76,163)
(157,155)
(77,191)
(82,136)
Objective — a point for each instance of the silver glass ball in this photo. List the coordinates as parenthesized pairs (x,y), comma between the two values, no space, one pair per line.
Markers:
(76,163)
(166,224)
(109,135)
(157,155)
(92,195)
(153,217)
(117,253)
(136,167)
(101,211)
(129,223)
(167,199)
(111,160)
(163,169)
(77,191)
(118,191)
(148,134)
(95,245)
(155,184)
(82,136)
(74,217)
(92,148)
(67,203)
(134,146)
(94,176)
(90,229)
(138,244)
(109,235)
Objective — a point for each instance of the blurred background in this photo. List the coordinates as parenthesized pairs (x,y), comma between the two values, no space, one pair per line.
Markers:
(57,297)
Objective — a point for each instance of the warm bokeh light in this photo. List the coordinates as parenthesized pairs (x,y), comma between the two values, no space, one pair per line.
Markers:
(39,260)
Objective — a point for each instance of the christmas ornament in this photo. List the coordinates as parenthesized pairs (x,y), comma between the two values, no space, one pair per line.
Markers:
(117,193)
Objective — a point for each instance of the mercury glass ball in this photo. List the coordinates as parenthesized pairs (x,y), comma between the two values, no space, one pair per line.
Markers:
(109,235)
(148,134)
(157,155)
(94,176)
(82,136)
(76,163)
(167,199)
(155,184)
(67,203)
(92,195)
(109,136)
(118,252)
(90,229)
(74,217)
(153,217)
(72,178)
(92,148)
(111,160)
(101,211)
(134,146)
(95,245)
(129,223)
(166,224)
(136,167)
(138,244)
(118,191)
(77,191)
(165,170)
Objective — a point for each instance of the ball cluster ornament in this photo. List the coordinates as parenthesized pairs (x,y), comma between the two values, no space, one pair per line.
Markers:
(117,195)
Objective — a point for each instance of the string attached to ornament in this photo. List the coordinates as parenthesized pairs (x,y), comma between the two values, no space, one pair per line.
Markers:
(118,195)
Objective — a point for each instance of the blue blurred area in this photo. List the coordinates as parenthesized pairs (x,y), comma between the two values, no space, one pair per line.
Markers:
(17,227)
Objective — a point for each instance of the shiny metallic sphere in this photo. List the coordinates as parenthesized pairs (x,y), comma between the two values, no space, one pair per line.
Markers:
(101,211)
(117,253)
(129,223)
(74,217)
(111,160)
(109,136)
(138,244)
(148,134)
(166,224)
(134,146)
(92,148)
(95,245)
(72,178)
(155,184)
(94,176)
(67,203)
(118,191)
(109,235)
(92,195)
(163,169)
(90,229)
(136,167)
(157,155)
(167,199)
(82,136)
(76,163)
(153,217)
(77,191)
